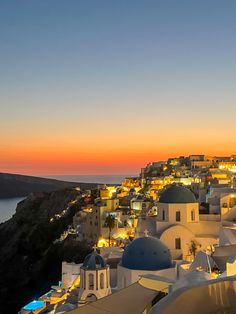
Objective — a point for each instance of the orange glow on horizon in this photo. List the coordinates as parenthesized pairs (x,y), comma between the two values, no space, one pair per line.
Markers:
(92,161)
(100,151)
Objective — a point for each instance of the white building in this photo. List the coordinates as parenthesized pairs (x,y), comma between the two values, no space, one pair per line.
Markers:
(70,273)
(94,278)
(218,198)
(179,225)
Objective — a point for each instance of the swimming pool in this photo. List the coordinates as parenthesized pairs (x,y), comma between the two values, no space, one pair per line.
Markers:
(34,305)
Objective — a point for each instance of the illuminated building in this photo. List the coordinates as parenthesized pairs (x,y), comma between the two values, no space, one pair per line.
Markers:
(178,222)
(94,278)
(220,199)
(70,273)
(90,222)
(107,192)
(228,165)
(197,164)
(140,203)
(221,176)
(131,183)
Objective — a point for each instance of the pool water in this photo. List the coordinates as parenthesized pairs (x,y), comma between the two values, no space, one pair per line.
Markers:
(34,305)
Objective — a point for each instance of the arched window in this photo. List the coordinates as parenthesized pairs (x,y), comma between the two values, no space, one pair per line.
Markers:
(102,281)
(91,281)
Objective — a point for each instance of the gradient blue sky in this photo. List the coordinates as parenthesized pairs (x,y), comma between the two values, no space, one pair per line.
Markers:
(107,86)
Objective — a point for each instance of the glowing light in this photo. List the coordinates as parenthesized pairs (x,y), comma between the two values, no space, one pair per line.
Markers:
(88,210)
(103,243)
(121,236)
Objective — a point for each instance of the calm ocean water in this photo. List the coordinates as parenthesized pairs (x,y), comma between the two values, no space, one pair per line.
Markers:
(104,179)
(8,207)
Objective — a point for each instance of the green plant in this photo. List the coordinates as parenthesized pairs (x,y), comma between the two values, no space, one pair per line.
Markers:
(110,223)
(193,248)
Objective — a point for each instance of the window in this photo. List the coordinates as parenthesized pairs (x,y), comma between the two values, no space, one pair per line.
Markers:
(91,281)
(177,216)
(102,281)
(232,202)
(178,244)
(192,215)
(163,215)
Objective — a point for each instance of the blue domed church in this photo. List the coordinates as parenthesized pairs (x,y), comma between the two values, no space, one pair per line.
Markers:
(144,256)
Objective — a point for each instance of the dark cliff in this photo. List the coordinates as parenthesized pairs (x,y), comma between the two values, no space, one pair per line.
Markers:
(15,185)
(30,260)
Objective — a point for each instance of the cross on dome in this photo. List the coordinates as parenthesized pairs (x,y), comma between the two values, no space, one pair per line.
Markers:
(95,248)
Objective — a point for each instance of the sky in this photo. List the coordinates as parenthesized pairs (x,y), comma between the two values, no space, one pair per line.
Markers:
(106,86)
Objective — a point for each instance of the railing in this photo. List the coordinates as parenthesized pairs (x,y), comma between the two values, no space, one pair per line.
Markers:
(209,217)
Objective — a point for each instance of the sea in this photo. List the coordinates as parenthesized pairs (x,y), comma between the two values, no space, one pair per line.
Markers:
(8,205)
(103,179)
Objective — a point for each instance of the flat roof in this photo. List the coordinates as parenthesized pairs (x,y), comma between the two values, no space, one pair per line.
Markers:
(131,300)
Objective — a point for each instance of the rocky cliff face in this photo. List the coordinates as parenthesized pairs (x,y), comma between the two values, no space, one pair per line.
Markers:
(29,260)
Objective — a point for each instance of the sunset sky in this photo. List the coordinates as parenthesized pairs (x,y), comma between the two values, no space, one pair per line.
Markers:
(106,86)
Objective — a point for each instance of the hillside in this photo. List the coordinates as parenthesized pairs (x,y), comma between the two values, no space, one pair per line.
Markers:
(30,260)
(15,185)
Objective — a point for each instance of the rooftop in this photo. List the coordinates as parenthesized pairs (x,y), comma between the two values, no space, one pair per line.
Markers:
(146,253)
(177,195)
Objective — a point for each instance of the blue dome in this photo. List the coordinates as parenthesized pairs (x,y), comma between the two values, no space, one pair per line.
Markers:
(94,261)
(147,253)
(177,195)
